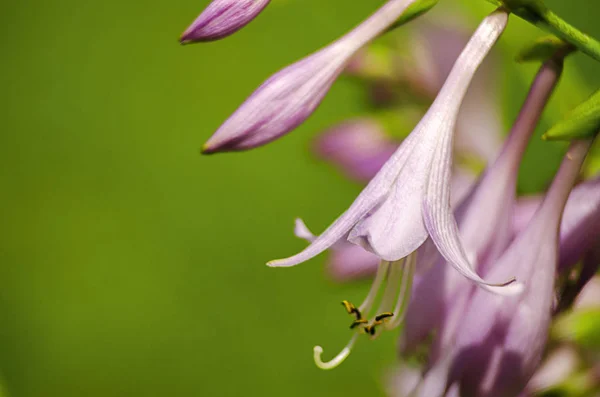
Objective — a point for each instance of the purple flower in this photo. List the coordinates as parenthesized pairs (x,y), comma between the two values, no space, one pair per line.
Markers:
(440,294)
(408,200)
(387,217)
(290,96)
(222,18)
(500,340)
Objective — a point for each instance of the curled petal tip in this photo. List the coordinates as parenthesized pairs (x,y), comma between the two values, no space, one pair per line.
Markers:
(510,288)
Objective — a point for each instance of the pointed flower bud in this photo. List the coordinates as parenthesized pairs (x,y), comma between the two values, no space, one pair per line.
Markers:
(222,18)
(290,96)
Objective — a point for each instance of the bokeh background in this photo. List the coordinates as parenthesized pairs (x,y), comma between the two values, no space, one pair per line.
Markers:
(133,266)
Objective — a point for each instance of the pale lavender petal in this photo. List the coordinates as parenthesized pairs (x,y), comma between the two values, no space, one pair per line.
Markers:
(501,339)
(346,261)
(580,224)
(556,368)
(401,381)
(454,391)
(590,295)
(478,128)
(290,96)
(440,298)
(302,231)
(523,212)
(462,183)
(437,211)
(280,104)
(395,228)
(358,147)
(222,18)
(371,197)
(350,262)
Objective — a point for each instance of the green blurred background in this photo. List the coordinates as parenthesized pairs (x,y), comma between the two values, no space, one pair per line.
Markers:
(131,265)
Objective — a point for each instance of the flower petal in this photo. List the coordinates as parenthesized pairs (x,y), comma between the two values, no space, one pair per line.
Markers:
(437,213)
(371,197)
(290,96)
(222,18)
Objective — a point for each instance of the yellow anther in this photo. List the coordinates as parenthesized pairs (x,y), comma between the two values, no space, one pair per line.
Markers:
(379,319)
(356,323)
(383,316)
(351,309)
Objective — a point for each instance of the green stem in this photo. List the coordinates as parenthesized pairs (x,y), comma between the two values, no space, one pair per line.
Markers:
(536,13)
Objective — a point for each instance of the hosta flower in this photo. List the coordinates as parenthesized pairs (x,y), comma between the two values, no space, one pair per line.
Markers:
(360,147)
(580,226)
(500,340)
(222,18)
(387,217)
(409,199)
(286,99)
(440,294)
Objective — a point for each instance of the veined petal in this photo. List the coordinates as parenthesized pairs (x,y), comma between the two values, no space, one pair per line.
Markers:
(222,18)
(395,228)
(371,197)
(346,261)
(501,339)
(290,96)
(437,212)
(280,104)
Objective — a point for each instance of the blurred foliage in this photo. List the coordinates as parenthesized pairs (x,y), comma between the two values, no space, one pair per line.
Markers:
(132,266)
(579,326)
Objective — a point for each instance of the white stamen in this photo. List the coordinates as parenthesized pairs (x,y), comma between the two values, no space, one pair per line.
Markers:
(392,285)
(405,292)
(337,360)
(379,278)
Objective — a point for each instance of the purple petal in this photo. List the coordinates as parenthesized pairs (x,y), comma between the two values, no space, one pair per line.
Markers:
(358,147)
(501,339)
(290,96)
(437,211)
(222,18)
(370,198)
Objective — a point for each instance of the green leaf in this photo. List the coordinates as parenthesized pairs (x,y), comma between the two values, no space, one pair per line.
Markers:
(542,49)
(415,10)
(581,122)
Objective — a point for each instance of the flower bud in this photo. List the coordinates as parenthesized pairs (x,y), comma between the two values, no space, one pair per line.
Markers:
(222,18)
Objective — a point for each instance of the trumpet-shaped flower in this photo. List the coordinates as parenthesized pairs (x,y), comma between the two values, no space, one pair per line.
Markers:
(290,96)
(500,340)
(387,218)
(222,18)
(440,294)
